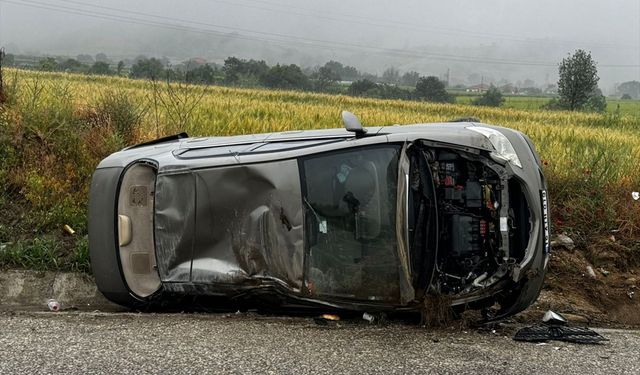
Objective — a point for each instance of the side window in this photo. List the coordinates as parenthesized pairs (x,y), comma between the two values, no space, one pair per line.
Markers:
(350,216)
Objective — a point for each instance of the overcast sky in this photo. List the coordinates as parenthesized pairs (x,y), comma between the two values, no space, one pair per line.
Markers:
(497,39)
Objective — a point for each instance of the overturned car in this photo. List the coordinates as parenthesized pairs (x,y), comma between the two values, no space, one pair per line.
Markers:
(373,219)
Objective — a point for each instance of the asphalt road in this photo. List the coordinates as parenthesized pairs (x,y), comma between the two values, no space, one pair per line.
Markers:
(85,343)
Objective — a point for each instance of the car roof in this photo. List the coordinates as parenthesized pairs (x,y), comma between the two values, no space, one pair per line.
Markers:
(297,135)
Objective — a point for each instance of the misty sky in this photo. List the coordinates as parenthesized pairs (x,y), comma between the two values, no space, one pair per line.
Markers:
(490,39)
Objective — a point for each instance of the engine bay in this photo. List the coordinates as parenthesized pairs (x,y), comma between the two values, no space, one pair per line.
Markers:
(469,196)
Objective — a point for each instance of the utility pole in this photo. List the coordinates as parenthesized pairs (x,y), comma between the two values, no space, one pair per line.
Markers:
(448,72)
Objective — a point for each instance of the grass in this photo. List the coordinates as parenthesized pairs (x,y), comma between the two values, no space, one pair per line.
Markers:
(46,253)
(534,103)
(56,127)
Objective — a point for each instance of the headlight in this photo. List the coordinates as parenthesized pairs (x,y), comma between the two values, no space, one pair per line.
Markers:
(504,149)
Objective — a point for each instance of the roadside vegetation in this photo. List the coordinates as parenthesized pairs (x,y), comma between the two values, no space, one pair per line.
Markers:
(56,127)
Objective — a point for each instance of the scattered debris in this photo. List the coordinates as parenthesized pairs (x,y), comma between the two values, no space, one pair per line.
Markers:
(368,317)
(68,229)
(555,328)
(324,319)
(53,305)
(612,238)
(591,272)
(554,318)
(331,317)
(562,240)
(631,294)
(541,333)
(603,271)
(635,195)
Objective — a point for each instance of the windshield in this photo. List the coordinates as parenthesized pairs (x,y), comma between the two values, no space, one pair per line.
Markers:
(350,222)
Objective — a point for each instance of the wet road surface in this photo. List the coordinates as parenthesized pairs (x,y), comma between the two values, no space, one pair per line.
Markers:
(87,343)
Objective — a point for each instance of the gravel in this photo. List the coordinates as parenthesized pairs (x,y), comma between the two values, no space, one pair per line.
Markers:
(88,343)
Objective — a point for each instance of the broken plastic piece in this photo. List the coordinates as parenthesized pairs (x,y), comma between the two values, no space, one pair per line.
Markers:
(330,317)
(368,317)
(553,318)
(635,195)
(324,319)
(53,305)
(541,333)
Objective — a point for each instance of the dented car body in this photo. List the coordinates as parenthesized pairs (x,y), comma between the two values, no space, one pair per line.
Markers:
(330,219)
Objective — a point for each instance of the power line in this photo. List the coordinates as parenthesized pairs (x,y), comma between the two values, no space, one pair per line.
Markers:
(379,22)
(299,40)
(296,40)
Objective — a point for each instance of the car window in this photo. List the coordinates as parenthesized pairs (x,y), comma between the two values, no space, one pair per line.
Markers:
(350,223)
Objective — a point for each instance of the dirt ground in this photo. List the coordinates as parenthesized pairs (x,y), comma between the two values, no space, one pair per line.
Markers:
(608,297)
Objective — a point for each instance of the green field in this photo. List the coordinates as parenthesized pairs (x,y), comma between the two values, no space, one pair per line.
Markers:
(626,107)
(56,127)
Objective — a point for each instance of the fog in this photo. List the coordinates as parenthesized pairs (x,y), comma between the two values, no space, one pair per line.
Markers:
(490,40)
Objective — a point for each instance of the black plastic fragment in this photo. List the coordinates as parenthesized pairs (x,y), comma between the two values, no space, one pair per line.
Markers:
(540,333)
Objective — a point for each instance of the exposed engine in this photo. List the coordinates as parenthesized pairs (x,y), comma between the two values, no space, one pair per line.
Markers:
(469,195)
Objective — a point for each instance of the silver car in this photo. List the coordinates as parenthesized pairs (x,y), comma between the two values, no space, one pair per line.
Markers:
(362,219)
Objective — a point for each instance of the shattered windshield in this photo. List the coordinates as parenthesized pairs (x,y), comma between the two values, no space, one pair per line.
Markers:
(350,223)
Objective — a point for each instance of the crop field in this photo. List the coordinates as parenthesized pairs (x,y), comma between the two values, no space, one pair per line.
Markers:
(625,107)
(56,127)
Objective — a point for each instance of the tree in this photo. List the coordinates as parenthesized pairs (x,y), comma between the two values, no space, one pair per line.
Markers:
(232,68)
(410,78)
(71,65)
(630,88)
(236,70)
(348,73)
(325,77)
(491,98)
(120,67)
(203,74)
(433,90)
(360,87)
(100,67)
(626,97)
(147,68)
(596,102)
(48,64)
(101,57)
(285,77)
(578,80)
(85,59)
(391,75)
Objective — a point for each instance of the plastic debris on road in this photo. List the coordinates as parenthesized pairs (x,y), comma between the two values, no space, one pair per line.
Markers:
(368,317)
(53,305)
(555,328)
(324,319)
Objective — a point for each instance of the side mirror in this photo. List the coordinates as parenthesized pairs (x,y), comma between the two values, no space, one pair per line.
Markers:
(352,124)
